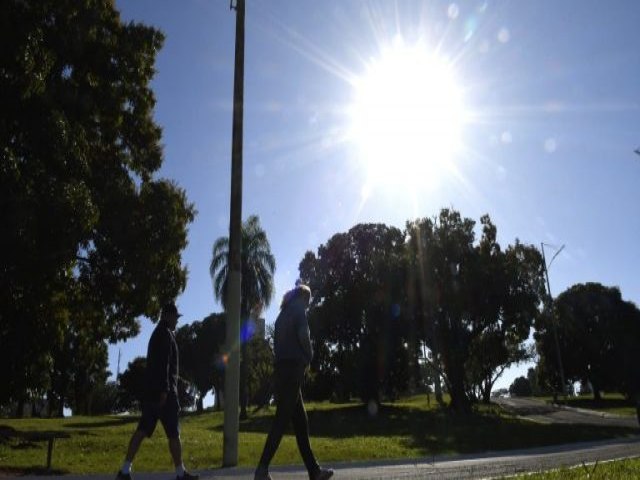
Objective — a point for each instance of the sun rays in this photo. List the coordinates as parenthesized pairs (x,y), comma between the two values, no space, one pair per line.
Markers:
(406,117)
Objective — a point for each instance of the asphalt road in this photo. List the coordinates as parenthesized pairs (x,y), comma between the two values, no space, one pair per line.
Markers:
(474,466)
(538,411)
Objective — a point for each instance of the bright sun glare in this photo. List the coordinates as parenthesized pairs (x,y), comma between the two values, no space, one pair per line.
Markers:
(407,117)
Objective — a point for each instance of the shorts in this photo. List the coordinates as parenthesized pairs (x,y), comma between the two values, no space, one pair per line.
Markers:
(167,414)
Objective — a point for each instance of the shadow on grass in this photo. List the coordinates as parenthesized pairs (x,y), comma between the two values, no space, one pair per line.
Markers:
(112,422)
(590,403)
(124,420)
(440,430)
(21,471)
(483,433)
(30,439)
(7,433)
(25,446)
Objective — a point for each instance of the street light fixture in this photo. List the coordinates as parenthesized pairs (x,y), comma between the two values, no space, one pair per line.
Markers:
(553,320)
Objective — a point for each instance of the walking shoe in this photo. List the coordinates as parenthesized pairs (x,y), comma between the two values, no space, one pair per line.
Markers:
(123,476)
(262,475)
(188,476)
(322,474)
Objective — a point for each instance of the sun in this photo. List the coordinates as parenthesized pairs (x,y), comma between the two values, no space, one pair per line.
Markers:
(406,117)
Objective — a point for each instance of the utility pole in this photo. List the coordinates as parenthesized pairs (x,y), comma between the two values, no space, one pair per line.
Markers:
(232,371)
(553,320)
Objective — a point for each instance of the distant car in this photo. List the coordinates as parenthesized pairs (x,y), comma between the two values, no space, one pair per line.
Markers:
(500,393)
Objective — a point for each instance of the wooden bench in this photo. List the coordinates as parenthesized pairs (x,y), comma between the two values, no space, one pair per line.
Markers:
(49,436)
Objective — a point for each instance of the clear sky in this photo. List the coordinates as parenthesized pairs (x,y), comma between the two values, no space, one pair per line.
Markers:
(528,110)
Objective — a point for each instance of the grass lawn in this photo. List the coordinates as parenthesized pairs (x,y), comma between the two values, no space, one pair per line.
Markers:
(344,432)
(619,469)
(610,403)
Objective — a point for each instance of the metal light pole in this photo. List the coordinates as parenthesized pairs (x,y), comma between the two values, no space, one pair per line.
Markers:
(232,371)
(553,320)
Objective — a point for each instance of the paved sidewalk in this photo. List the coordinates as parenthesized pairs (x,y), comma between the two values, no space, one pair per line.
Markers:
(473,466)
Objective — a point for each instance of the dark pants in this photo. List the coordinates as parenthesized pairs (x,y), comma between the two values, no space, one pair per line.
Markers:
(290,408)
(167,414)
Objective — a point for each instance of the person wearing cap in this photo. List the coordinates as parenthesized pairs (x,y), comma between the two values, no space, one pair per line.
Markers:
(161,395)
(293,354)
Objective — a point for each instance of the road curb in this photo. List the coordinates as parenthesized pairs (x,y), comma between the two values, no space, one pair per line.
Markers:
(587,411)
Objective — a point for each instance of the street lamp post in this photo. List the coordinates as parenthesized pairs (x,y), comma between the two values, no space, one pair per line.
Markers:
(232,371)
(553,320)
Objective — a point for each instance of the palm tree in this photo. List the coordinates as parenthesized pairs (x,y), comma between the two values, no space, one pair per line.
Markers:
(258,266)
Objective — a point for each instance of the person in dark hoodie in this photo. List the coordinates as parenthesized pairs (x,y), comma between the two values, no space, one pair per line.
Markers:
(293,354)
(161,395)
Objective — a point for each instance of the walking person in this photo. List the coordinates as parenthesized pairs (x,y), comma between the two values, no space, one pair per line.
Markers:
(161,395)
(293,354)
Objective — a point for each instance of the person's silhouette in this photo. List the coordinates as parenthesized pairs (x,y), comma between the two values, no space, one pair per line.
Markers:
(293,353)
(161,395)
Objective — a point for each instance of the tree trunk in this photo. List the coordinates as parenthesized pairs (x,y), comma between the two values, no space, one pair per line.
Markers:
(437,388)
(597,396)
(51,403)
(219,399)
(486,394)
(459,401)
(199,403)
(20,408)
(413,359)
(60,412)
(455,374)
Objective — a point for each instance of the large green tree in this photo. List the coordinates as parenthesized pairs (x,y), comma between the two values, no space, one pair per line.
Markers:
(473,303)
(131,384)
(512,279)
(357,321)
(91,238)
(200,344)
(598,334)
(79,365)
(260,373)
(258,267)
(520,387)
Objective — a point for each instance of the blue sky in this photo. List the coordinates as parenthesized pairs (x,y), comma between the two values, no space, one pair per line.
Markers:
(550,116)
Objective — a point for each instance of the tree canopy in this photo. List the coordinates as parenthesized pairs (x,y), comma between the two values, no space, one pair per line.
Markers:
(474,302)
(257,268)
(520,387)
(200,344)
(131,384)
(598,335)
(380,294)
(357,323)
(92,240)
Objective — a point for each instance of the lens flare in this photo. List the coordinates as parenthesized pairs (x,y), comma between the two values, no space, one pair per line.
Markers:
(407,116)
